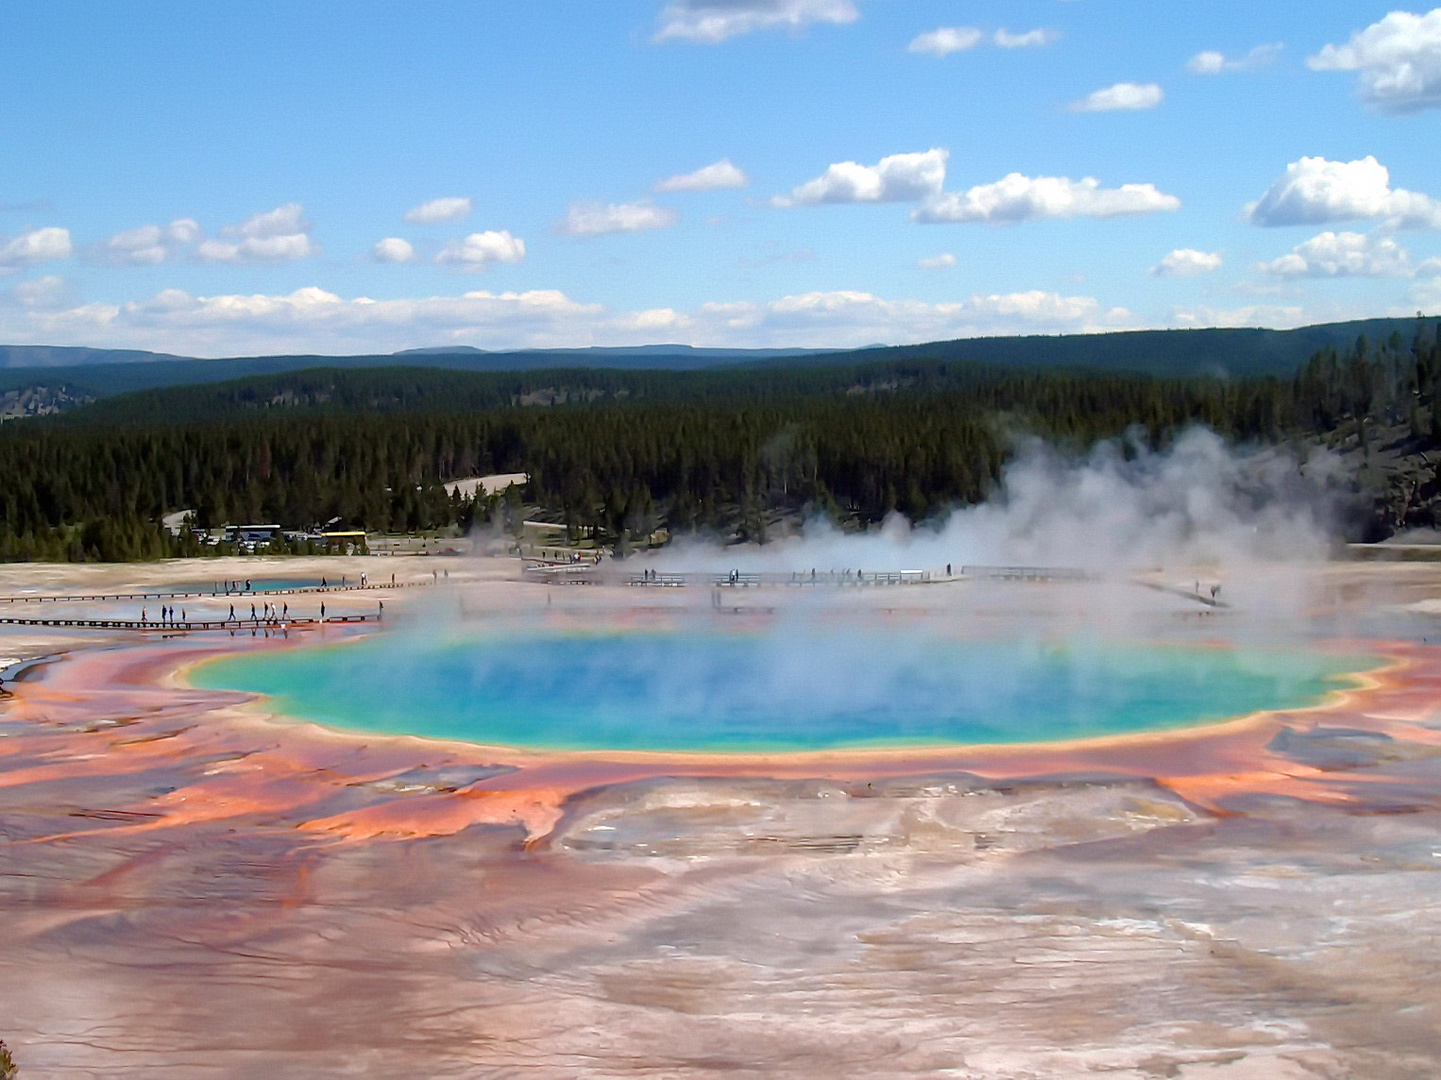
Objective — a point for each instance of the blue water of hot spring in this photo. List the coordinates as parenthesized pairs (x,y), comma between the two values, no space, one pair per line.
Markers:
(807,689)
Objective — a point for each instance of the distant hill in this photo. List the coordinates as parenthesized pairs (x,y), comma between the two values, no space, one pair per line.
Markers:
(46,356)
(1220,351)
(376,390)
(624,352)
(100,373)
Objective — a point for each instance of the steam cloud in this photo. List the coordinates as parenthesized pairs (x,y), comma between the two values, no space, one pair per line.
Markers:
(1121,507)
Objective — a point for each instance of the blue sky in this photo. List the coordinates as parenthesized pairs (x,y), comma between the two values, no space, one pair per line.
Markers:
(220,179)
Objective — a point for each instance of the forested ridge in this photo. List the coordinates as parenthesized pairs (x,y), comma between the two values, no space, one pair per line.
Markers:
(1233,351)
(625,452)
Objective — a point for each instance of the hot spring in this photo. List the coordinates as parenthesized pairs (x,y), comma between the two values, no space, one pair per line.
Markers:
(809,688)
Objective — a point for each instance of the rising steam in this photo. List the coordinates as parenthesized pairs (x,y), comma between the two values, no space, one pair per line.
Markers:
(1120,507)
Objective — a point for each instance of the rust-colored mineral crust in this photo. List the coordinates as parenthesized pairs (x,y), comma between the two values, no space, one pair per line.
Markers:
(189,889)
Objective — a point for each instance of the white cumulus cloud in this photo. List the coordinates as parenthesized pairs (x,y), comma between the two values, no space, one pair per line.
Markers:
(719,174)
(279,235)
(258,249)
(317,320)
(1186,262)
(1028,39)
(1207,63)
(440,210)
(944,261)
(183,231)
(393,250)
(1398,59)
(1123,96)
(709,22)
(1215,63)
(46,292)
(1344,254)
(599,219)
(1273,316)
(846,317)
(1424,295)
(483,248)
(1315,191)
(898,178)
(945,40)
(150,245)
(49,244)
(1016,198)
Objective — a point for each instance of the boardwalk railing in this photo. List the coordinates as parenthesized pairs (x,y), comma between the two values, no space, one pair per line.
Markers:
(212,593)
(192,624)
(736,579)
(1025,573)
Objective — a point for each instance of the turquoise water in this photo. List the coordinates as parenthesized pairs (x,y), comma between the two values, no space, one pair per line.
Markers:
(238,585)
(800,690)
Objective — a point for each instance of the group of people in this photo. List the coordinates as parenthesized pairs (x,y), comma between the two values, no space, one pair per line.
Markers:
(167,615)
(269,613)
(273,614)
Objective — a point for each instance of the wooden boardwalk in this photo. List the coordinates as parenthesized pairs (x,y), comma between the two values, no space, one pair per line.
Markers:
(192,624)
(735,579)
(213,594)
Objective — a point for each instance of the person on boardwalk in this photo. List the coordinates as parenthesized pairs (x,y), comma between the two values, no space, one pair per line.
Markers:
(252,612)
(322,611)
(232,613)
(285,610)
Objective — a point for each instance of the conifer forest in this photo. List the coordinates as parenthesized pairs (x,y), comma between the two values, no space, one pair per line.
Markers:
(622,454)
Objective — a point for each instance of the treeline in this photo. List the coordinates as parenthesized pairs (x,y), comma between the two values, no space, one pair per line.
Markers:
(623,453)
(1390,381)
(342,391)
